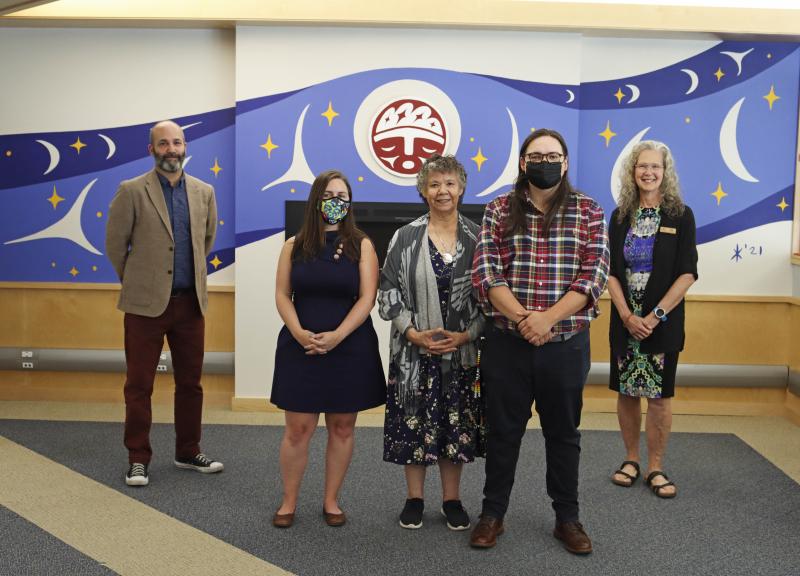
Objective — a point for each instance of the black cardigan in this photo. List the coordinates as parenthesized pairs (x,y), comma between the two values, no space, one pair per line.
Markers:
(674,254)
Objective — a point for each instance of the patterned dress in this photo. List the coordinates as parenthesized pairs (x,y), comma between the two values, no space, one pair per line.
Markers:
(637,373)
(447,422)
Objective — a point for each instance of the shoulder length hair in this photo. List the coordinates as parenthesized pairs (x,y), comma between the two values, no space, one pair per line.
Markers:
(519,197)
(628,201)
(310,240)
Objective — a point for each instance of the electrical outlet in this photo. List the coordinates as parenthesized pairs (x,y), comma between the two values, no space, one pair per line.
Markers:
(161,367)
(27,365)
(26,353)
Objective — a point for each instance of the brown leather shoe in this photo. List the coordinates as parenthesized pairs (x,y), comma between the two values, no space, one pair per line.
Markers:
(486,532)
(334,520)
(283,520)
(574,538)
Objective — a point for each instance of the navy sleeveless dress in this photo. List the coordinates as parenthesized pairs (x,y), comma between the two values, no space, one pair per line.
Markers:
(350,377)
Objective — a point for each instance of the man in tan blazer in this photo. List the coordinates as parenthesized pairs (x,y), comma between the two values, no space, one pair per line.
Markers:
(161,228)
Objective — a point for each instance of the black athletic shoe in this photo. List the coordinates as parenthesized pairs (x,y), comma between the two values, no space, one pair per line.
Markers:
(201,463)
(137,475)
(457,517)
(411,516)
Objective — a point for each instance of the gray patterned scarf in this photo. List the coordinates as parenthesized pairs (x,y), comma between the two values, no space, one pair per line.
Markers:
(408,296)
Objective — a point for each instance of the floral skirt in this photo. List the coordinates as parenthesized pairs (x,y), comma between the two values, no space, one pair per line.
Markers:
(447,422)
(644,375)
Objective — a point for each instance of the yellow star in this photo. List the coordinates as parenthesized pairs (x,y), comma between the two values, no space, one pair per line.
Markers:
(620,95)
(55,198)
(607,133)
(215,262)
(719,74)
(771,97)
(783,205)
(330,113)
(216,168)
(78,145)
(74,271)
(479,158)
(269,146)
(719,193)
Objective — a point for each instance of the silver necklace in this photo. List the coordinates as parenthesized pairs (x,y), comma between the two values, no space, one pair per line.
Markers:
(447,254)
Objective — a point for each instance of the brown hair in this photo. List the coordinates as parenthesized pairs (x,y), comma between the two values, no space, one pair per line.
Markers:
(311,237)
(519,196)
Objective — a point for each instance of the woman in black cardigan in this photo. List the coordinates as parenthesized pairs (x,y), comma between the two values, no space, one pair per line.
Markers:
(653,264)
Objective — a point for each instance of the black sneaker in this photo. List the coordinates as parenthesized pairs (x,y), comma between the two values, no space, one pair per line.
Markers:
(411,516)
(457,517)
(201,463)
(137,475)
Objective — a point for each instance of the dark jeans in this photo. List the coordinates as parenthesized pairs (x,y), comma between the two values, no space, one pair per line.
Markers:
(184,326)
(515,375)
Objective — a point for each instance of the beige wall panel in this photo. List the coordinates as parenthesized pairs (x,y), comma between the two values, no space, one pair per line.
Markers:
(736,333)
(793,343)
(102,387)
(57,318)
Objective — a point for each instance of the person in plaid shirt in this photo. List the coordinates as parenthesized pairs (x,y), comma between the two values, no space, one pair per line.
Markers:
(540,266)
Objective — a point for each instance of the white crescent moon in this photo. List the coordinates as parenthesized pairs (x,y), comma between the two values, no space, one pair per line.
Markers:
(634,93)
(693,77)
(728,146)
(571,95)
(510,171)
(111,146)
(185,162)
(54,156)
(615,183)
(187,126)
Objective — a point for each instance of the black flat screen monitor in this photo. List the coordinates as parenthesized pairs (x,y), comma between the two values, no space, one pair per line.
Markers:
(379,220)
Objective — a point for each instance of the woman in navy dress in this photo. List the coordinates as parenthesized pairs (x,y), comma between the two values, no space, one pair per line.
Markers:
(327,358)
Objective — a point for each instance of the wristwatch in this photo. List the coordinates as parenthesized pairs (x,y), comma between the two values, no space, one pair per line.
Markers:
(659,313)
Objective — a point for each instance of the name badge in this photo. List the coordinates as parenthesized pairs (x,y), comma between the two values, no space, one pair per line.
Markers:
(668,230)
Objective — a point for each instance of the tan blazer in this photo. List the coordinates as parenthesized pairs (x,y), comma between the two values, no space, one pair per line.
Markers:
(141,247)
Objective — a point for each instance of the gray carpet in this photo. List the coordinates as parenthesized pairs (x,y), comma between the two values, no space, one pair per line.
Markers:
(27,549)
(736,513)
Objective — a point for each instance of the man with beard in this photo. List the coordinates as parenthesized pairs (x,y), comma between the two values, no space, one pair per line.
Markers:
(161,228)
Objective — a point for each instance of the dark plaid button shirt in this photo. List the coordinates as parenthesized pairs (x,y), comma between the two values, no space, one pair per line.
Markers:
(539,271)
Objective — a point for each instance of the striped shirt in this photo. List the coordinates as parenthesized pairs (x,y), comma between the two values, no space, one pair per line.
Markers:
(539,271)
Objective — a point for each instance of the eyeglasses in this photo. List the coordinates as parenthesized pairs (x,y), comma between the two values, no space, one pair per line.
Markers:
(551,157)
(649,167)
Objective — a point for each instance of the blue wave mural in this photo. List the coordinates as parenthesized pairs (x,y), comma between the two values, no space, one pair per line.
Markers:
(729,114)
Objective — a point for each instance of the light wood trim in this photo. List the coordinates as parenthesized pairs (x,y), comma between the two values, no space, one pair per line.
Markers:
(111,286)
(504,14)
(89,319)
(793,408)
(103,387)
(710,401)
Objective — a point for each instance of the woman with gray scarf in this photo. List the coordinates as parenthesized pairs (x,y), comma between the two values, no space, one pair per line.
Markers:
(433,413)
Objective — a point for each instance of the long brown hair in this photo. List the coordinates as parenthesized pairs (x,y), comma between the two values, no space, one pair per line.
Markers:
(519,198)
(310,240)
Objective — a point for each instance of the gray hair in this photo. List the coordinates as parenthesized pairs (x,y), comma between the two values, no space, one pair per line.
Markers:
(628,200)
(443,165)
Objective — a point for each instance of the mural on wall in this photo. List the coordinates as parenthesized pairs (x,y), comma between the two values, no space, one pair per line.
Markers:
(55,190)
(728,113)
(377,127)
(730,117)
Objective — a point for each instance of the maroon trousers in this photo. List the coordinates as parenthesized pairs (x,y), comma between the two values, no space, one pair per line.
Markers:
(184,326)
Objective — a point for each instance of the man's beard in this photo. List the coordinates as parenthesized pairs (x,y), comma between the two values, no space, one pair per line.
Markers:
(170,163)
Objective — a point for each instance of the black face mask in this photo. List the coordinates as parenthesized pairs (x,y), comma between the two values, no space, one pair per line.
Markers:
(543,175)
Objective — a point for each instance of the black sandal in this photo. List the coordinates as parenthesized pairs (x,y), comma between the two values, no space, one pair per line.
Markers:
(630,478)
(656,488)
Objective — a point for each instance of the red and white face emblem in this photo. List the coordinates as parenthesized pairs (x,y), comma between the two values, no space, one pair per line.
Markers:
(405,133)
